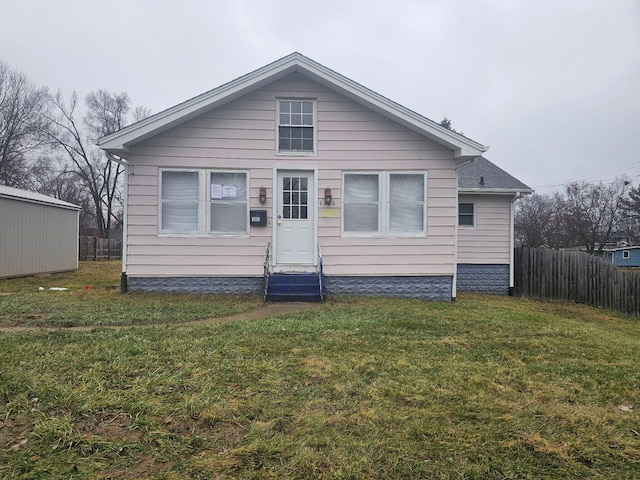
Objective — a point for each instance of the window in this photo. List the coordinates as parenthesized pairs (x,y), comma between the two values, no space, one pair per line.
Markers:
(179,202)
(384,203)
(296,126)
(406,202)
(466,215)
(197,202)
(625,254)
(228,209)
(361,202)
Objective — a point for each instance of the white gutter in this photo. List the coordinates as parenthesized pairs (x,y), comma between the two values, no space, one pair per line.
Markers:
(125,218)
(512,242)
(454,287)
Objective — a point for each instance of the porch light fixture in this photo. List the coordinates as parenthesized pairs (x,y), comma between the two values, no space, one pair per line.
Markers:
(327,196)
(263,195)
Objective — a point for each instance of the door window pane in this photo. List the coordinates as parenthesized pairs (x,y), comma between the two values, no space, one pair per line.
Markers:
(294,198)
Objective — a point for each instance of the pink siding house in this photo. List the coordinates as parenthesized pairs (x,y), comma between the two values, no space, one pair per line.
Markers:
(295,172)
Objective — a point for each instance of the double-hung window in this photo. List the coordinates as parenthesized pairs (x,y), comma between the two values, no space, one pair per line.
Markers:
(384,204)
(296,126)
(203,202)
(179,201)
(466,215)
(228,202)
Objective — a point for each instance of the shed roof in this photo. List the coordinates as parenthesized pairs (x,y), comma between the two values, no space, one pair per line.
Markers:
(120,142)
(33,197)
(483,176)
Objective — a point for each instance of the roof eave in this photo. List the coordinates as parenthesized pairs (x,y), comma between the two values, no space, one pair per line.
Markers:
(119,142)
(496,191)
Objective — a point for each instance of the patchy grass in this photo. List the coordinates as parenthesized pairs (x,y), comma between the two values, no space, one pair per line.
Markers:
(93,298)
(487,387)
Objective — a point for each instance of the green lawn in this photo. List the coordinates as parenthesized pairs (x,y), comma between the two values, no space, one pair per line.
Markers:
(487,387)
(93,298)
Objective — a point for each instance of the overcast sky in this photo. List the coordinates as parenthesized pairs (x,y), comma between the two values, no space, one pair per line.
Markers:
(552,86)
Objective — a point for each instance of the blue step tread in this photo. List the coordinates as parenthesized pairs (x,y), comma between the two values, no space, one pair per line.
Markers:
(293,298)
(294,287)
(293,278)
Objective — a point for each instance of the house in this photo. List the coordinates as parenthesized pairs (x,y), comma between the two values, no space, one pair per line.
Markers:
(38,234)
(294,172)
(622,257)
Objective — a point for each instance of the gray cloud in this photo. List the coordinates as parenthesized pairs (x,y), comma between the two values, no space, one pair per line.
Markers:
(551,86)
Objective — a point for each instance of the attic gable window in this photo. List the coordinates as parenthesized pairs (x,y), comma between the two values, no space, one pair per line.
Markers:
(296,126)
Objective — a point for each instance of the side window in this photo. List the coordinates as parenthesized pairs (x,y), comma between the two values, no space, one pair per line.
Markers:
(296,126)
(466,215)
(179,202)
(228,211)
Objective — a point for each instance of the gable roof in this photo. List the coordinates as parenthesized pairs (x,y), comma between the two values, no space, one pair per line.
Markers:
(483,176)
(119,142)
(33,197)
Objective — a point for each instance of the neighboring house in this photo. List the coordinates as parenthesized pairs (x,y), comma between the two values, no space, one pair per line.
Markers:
(622,257)
(38,234)
(321,173)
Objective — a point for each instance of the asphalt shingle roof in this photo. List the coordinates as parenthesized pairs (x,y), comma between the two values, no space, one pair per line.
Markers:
(483,174)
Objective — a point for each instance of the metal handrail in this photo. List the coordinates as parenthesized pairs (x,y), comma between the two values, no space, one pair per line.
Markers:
(320,273)
(267,270)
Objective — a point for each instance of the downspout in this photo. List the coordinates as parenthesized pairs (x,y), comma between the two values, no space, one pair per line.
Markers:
(512,243)
(125,221)
(454,286)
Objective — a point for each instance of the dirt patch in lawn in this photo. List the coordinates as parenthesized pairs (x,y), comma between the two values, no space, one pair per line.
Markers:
(266,310)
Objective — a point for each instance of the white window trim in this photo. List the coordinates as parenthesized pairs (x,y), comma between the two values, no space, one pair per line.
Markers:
(300,153)
(204,204)
(384,205)
(475,216)
(626,254)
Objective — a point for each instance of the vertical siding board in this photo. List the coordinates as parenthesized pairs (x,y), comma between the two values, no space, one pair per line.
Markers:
(36,238)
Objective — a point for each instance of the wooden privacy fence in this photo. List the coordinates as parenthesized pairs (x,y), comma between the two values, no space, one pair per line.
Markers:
(576,276)
(93,248)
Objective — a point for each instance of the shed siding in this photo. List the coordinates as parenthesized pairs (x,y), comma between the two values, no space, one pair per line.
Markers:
(36,238)
(488,242)
(242,135)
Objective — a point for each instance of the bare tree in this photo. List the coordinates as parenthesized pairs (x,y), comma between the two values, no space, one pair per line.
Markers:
(534,221)
(21,125)
(631,214)
(591,212)
(50,176)
(101,177)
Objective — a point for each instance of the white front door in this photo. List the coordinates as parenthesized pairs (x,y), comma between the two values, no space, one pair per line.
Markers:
(294,222)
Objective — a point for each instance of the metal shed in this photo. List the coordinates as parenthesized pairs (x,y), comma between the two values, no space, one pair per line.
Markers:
(38,234)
